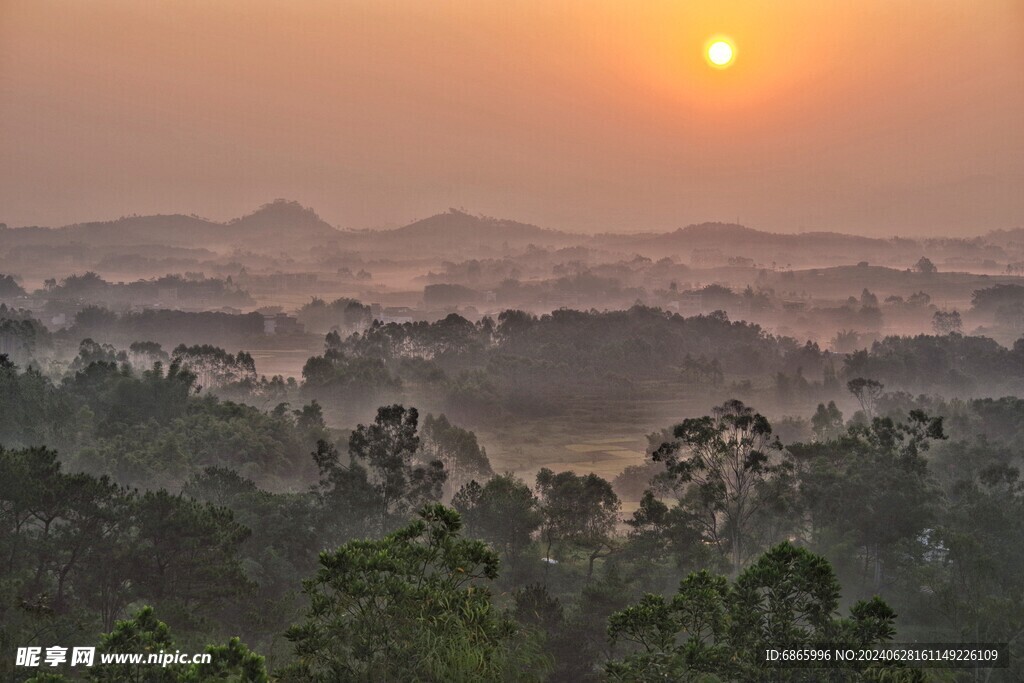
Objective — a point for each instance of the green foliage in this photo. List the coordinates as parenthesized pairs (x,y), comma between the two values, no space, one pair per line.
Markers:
(150,428)
(898,511)
(146,634)
(956,364)
(528,365)
(412,606)
(975,556)
(387,450)
(711,627)
(731,472)
(77,550)
(659,533)
(231,662)
(92,288)
(992,299)
(503,512)
(463,457)
(186,552)
(869,491)
(213,366)
(21,335)
(827,422)
(578,510)
(32,411)
(341,377)
(346,315)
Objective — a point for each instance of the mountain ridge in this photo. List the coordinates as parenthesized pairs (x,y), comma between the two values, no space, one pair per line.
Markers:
(283,223)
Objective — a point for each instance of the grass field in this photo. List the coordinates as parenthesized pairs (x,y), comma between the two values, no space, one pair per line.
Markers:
(589,434)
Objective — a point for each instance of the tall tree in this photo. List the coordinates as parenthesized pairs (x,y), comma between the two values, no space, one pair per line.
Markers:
(827,422)
(463,457)
(731,470)
(387,448)
(867,392)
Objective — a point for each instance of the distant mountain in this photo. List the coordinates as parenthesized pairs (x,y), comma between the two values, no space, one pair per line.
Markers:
(733,240)
(282,219)
(733,236)
(173,230)
(458,230)
(176,230)
(276,225)
(287,226)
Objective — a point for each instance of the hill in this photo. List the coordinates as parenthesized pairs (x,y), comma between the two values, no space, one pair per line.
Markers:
(735,240)
(278,224)
(457,229)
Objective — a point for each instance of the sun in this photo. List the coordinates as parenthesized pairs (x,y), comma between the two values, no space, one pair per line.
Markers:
(720,53)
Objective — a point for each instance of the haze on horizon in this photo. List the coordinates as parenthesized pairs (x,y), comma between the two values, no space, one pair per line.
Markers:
(876,117)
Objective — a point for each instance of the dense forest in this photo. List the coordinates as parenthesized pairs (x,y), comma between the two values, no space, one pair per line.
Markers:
(554,457)
(175,499)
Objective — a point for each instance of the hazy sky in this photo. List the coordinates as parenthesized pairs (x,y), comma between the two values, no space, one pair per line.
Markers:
(875,116)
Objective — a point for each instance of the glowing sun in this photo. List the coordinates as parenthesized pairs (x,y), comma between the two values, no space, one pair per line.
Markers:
(720,53)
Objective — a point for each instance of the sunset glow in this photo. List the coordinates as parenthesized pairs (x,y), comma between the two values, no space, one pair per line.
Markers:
(720,53)
(376,113)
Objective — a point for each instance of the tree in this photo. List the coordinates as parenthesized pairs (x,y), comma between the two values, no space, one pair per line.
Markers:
(344,377)
(730,468)
(286,527)
(387,448)
(187,553)
(576,638)
(846,341)
(411,606)
(868,299)
(976,552)
(867,392)
(215,367)
(582,510)
(55,532)
(146,634)
(711,628)
(143,633)
(145,353)
(503,512)
(919,299)
(991,299)
(21,335)
(95,319)
(348,499)
(658,531)
(869,493)
(947,322)
(827,422)
(924,265)
(90,352)
(9,287)
(463,457)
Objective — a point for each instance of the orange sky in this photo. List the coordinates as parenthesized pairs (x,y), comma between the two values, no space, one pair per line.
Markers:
(874,116)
